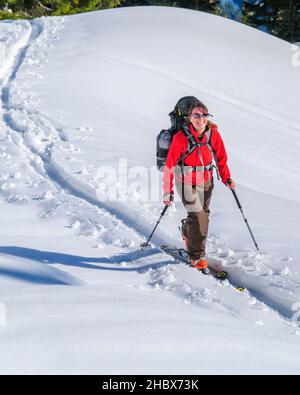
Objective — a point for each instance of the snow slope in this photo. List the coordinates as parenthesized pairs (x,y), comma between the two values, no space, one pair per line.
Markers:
(85,95)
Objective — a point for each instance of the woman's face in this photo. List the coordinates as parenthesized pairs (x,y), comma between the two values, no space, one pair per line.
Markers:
(199,119)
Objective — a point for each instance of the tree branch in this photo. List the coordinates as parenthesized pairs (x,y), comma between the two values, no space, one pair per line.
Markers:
(44,7)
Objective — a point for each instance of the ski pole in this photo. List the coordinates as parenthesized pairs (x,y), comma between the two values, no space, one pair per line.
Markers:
(241,209)
(161,215)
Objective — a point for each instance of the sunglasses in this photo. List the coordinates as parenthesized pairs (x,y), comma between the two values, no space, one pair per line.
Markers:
(204,116)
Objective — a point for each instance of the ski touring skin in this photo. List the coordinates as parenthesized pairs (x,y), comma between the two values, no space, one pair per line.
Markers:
(182,255)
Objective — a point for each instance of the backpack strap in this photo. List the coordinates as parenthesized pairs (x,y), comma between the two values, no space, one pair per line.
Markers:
(192,145)
(208,138)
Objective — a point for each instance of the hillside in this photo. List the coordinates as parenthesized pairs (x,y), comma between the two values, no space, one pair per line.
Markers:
(82,100)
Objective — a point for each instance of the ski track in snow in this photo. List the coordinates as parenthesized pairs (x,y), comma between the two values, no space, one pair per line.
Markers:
(206,91)
(35,138)
(35,135)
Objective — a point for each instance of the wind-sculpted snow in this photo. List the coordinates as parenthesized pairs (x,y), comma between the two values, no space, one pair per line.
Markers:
(32,271)
(49,164)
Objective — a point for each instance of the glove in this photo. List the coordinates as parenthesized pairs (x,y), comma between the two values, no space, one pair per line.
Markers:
(230,183)
(168,198)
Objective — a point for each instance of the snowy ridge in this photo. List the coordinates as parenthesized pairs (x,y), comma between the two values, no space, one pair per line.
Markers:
(46,167)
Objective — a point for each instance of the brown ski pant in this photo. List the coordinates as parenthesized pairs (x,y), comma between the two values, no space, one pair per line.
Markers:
(196,200)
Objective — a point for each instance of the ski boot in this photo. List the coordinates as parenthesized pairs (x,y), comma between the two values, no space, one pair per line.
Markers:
(201,265)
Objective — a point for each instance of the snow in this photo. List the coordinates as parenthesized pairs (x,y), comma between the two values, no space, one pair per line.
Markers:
(82,99)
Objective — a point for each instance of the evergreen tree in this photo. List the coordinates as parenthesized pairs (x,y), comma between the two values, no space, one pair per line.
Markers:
(131,3)
(289,21)
(278,17)
(200,5)
(57,7)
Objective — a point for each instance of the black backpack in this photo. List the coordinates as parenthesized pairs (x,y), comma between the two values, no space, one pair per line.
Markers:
(179,121)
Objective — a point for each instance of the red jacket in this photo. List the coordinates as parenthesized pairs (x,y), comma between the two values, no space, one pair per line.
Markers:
(201,156)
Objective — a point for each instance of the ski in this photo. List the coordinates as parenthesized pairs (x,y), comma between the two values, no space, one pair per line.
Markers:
(182,255)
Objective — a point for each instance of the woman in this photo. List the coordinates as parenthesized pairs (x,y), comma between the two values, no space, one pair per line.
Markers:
(194,178)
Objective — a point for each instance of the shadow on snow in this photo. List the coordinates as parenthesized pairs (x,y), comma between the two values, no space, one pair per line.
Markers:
(48,257)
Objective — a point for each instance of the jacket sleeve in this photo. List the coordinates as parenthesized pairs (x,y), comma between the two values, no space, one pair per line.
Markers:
(218,147)
(176,150)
